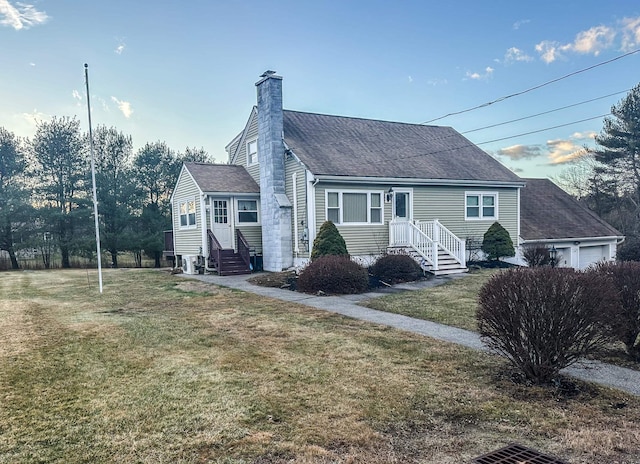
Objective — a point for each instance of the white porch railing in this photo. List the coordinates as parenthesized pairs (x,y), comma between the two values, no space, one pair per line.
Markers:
(426,237)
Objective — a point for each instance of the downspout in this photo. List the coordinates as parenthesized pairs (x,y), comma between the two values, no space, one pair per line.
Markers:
(294,180)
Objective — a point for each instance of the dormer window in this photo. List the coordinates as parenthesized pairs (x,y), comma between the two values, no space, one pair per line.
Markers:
(252,153)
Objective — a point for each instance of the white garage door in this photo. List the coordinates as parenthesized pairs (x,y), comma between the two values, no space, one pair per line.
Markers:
(590,255)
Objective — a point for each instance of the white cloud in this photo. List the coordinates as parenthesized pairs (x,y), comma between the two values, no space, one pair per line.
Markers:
(410,79)
(517,24)
(123,106)
(515,54)
(20,16)
(594,40)
(630,33)
(33,118)
(488,72)
(436,82)
(76,95)
(520,152)
(120,48)
(588,135)
(564,151)
(550,51)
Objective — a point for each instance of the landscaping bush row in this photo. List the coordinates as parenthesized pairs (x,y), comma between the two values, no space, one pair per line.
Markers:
(545,319)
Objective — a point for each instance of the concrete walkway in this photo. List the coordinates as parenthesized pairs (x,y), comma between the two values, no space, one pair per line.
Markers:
(609,375)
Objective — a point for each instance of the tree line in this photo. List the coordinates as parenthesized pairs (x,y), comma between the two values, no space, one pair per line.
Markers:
(46,193)
(607,180)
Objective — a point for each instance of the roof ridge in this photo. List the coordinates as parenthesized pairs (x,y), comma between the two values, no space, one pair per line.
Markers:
(360,118)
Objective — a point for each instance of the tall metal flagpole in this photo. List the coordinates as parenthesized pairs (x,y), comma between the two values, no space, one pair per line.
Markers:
(93,179)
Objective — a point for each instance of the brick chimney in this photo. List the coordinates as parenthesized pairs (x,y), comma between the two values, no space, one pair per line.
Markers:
(275,207)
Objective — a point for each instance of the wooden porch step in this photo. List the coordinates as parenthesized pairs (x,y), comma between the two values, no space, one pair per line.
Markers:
(231,263)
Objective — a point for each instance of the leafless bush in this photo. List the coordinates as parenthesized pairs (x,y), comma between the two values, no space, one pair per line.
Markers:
(626,323)
(544,319)
(536,254)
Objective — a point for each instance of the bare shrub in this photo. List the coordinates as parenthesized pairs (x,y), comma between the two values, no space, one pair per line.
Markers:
(544,319)
(333,274)
(536,254)
(626,323)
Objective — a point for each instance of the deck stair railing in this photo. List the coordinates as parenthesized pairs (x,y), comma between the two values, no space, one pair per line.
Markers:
(215,250)
(427,238)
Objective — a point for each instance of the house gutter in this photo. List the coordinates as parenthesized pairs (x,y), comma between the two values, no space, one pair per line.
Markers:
(619,239)
(414,181)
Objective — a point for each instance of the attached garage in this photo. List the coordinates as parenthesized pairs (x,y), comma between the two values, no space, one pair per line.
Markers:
(588,255)
(551,217)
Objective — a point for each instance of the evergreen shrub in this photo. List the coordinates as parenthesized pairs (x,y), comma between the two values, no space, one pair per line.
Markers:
(328,242)
(497,243)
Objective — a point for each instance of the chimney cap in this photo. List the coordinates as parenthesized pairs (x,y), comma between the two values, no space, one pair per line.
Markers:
(267,73)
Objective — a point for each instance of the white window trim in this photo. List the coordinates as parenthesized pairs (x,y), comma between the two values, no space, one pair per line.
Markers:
(187,201)
(341,208)
(249,142)
(237,215)
(481,217)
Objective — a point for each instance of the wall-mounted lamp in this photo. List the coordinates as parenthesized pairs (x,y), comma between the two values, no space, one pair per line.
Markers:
(389,195)
(553,256)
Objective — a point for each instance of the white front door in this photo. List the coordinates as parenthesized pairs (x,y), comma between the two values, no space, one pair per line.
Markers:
(221,225)
(402,205)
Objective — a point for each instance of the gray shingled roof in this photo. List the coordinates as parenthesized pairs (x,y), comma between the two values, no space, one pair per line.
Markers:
(343,146)
(548,212)
(222,178)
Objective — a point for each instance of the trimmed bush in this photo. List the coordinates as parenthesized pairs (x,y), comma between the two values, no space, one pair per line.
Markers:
(626,323)
(497,243)
(333,274)
(536,254)
(328,242)
(396,268)
(544,319)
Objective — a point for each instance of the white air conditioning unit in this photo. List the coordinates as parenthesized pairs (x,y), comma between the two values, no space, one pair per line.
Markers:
(189,264)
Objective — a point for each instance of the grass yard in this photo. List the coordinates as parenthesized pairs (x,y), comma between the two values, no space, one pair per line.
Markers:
(161,369)
(453,303)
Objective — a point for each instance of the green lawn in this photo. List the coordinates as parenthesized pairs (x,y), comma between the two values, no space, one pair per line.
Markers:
(161,369)
(453,303)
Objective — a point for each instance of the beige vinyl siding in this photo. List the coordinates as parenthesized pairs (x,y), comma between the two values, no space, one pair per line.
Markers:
(233,148)
(253,234)
(291,166)
(187,241)
(361,240)
(252,134)
(447,204)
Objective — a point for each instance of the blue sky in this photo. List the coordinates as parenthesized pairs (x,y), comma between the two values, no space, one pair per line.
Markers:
(184,71)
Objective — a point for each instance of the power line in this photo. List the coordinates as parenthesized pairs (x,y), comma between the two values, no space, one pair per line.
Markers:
(543,130)
(498,100)
(544,112)
(471,144)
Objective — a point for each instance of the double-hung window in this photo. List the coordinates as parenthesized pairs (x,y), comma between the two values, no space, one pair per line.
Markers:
(247,211)
(252,153)
(481,205)
(354,207)
(187,210)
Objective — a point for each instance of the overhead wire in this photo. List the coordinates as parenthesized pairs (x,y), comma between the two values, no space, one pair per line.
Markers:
(544,112)
(530,89)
